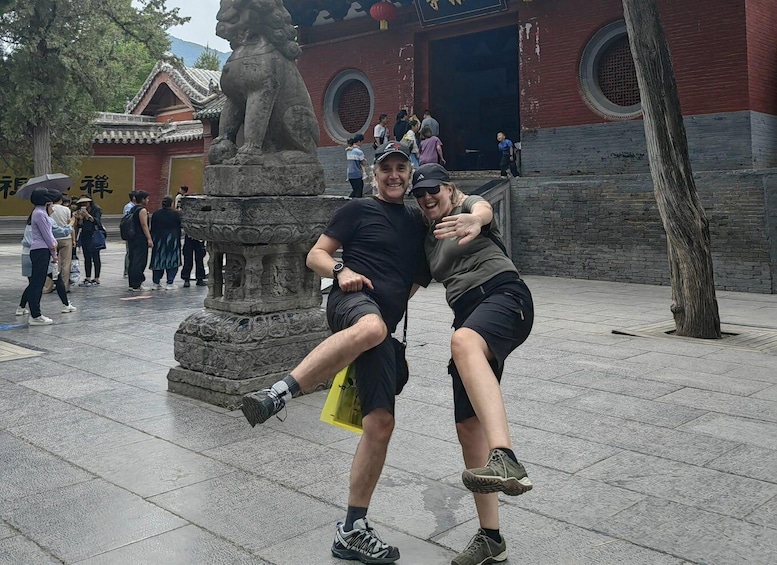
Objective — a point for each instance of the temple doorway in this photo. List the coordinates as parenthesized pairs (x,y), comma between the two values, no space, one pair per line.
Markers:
(473,93)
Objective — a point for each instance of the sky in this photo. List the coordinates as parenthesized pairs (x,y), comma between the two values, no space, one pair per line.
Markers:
(201,28)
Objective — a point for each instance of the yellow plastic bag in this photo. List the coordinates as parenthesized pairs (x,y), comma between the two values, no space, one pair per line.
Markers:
(342,407)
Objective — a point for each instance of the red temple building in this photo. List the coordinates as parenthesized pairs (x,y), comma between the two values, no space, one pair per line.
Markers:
(557,77)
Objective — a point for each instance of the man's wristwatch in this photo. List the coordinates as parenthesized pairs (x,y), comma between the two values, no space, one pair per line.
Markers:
(337,269)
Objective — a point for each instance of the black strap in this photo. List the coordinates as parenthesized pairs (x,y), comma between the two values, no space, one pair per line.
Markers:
(499,243)
(388,219)
(404,330)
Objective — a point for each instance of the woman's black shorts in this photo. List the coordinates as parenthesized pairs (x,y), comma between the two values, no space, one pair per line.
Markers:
(503,315)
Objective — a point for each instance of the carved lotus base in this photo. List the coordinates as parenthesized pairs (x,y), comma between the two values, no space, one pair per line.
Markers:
(270,179)
(223,356)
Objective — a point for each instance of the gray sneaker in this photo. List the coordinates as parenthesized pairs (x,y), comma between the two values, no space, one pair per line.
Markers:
(362,544)
(501,474)
(258,406)
(481,551)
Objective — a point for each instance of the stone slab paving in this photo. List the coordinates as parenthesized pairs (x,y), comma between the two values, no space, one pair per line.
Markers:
(643,450)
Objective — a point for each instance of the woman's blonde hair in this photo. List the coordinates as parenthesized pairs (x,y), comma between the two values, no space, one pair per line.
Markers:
(457,196)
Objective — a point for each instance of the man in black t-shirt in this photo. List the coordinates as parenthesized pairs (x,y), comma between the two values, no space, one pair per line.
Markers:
(383,261)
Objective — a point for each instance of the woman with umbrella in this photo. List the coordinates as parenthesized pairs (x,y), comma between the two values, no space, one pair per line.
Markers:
(43,248)
(89,221)
(56,279)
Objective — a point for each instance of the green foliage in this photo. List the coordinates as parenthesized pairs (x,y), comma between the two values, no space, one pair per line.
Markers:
(208,60)
(6,5)
(68,59)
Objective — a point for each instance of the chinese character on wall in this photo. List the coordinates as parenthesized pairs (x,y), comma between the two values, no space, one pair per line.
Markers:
(10,185)
(435,4)
(96,185)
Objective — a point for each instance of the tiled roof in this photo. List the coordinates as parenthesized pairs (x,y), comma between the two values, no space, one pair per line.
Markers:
(132,129)
(198,84)
(211,107)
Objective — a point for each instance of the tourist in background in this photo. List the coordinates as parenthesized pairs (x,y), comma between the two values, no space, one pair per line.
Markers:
(401,126)
(411,140)
(507,155)
(357,170)
(88,221)
(430,147)
(431,123)
(166,253)
(380,132)
(193,257)
(139,244)
(61,216)
(125,212)
(183,190)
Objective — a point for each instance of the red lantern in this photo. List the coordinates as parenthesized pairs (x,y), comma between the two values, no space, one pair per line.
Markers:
(384,11)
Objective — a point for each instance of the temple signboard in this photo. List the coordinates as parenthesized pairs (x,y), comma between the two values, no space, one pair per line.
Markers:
(434,12)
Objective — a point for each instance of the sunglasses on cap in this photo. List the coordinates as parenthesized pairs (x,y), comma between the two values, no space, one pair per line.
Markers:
(421,191)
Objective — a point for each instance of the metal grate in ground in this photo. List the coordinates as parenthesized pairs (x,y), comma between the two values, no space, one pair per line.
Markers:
(743,337)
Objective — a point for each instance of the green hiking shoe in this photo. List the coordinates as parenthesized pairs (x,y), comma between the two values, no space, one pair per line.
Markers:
(481,551)
(501,474)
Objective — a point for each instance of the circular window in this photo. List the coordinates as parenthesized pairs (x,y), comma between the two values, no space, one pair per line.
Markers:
(607,75)
(348,105)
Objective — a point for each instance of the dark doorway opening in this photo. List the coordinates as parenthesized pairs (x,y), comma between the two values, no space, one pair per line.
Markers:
(473,93)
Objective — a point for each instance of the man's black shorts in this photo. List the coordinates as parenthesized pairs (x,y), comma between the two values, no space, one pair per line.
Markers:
(504,320)
(376,374)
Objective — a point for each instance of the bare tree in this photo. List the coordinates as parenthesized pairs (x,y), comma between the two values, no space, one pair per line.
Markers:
(694,307)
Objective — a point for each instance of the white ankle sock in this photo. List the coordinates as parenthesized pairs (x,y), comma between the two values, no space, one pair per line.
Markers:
(282,390)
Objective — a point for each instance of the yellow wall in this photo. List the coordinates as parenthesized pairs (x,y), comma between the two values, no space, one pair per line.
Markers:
(186,171)
(107,180)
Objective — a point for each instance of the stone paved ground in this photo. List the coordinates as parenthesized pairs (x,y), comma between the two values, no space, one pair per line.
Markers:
(642,450)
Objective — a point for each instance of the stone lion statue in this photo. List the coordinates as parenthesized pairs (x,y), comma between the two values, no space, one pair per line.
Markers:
(266,95)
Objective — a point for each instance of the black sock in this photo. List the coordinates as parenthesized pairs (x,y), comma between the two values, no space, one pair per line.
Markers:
(293,385)
(354,513)
(493,534)
(509,453)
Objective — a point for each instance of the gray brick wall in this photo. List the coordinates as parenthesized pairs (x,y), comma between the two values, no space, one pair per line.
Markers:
(333,161)
(770,199)
(609,228)
(715,142)
(764,128)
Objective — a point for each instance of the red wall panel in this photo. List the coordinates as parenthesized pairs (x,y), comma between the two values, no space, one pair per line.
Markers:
(723,53)
(762,54)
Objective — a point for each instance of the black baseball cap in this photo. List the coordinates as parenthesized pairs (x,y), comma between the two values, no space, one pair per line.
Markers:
(390,148)
(430,175)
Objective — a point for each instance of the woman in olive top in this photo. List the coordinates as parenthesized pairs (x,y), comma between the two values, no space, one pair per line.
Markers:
(493,314)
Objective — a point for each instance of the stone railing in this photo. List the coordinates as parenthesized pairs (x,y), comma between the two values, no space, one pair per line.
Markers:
(497,192)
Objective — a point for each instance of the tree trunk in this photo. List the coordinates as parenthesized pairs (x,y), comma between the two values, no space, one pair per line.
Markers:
(41,143)
(694,307)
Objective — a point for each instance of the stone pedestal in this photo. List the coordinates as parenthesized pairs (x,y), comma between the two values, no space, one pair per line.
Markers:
(263,309)
(271,179)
